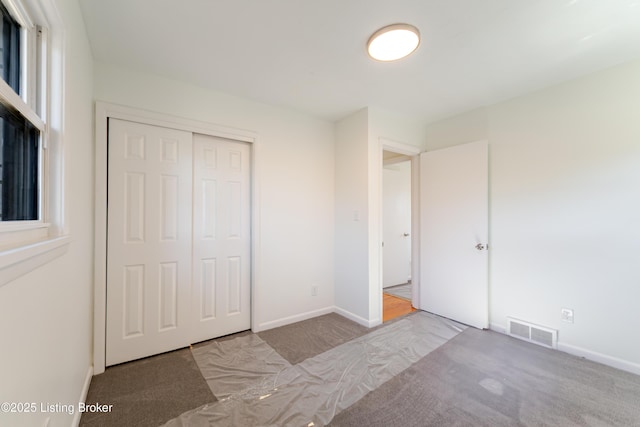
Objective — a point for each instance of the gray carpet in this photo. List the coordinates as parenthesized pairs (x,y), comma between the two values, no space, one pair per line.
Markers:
(255,388)
(477,378)
(302,340)
(400,291)
(154,390)
(481,378)
(148,392)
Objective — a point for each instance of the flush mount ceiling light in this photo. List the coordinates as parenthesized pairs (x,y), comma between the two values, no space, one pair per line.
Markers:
(393,42)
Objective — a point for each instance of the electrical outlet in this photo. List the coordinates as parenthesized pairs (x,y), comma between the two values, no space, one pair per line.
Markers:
(566,314)
(314,291)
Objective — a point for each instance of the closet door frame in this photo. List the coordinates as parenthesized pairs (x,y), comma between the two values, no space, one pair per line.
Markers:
(105,111)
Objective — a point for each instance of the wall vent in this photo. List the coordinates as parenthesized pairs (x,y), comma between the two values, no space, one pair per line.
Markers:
(526,331)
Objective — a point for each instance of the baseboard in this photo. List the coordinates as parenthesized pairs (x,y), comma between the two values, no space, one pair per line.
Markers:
(83,395)
(498,328)
(292,319)
(356,318)
(604,359)
(614,362)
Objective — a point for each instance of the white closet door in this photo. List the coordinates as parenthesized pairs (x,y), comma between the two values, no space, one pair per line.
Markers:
(149,240)
(221,237)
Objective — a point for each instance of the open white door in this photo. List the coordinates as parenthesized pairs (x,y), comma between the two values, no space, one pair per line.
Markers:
(454,233)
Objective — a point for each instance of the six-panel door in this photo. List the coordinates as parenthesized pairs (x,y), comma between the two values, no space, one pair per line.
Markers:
(178,239)
(221,237)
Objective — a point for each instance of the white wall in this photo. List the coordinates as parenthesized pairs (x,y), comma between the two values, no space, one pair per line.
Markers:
(295,173)
(466,127)
(46,315)
(352,217)
(359,144)
(564,209)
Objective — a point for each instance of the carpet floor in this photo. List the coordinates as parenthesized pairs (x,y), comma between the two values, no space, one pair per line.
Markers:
(255,386)
(482,378)
(477,378)
(151,391)
(302,340)
(148,392)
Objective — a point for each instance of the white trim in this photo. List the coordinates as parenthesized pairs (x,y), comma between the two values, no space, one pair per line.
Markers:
(19,13)
(256,248)
(22,236)
(498,328)
(415,231)
(14,256)
(83,396)
(11,226)
(10,97)
(153,118)
(360,320)
(593,356)
(53,107)
(293,319)
(604,359)
(19,261)
(103,112)
(399,147)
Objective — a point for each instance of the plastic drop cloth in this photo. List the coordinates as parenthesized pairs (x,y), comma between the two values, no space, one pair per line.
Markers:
(232,366)
(312,392)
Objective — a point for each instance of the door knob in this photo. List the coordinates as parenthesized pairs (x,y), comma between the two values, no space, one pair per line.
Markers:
(406,234)
(480,246)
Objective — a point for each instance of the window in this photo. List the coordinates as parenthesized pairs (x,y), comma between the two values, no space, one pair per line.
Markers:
(20,142)
(20,138)
(10,47)
(32,226)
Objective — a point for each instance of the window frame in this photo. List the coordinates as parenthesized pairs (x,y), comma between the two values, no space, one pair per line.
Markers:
(27,101)
(25,245)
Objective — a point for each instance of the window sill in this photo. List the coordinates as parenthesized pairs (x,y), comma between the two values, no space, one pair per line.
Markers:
(22,233)
(19,261)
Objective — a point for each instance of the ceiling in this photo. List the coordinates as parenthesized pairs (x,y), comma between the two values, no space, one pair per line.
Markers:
(311,56)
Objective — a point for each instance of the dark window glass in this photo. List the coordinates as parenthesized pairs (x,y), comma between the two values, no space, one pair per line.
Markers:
(10,50)
(19,155)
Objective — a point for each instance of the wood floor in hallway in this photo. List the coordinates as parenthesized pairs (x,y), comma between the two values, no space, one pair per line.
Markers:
(393,307)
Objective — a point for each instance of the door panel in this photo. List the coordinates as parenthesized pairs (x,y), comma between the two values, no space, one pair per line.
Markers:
(454,220)
(222,237)
(149,240)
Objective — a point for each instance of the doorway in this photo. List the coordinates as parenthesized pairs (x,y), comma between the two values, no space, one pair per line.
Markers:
(459,235)
(396,235)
